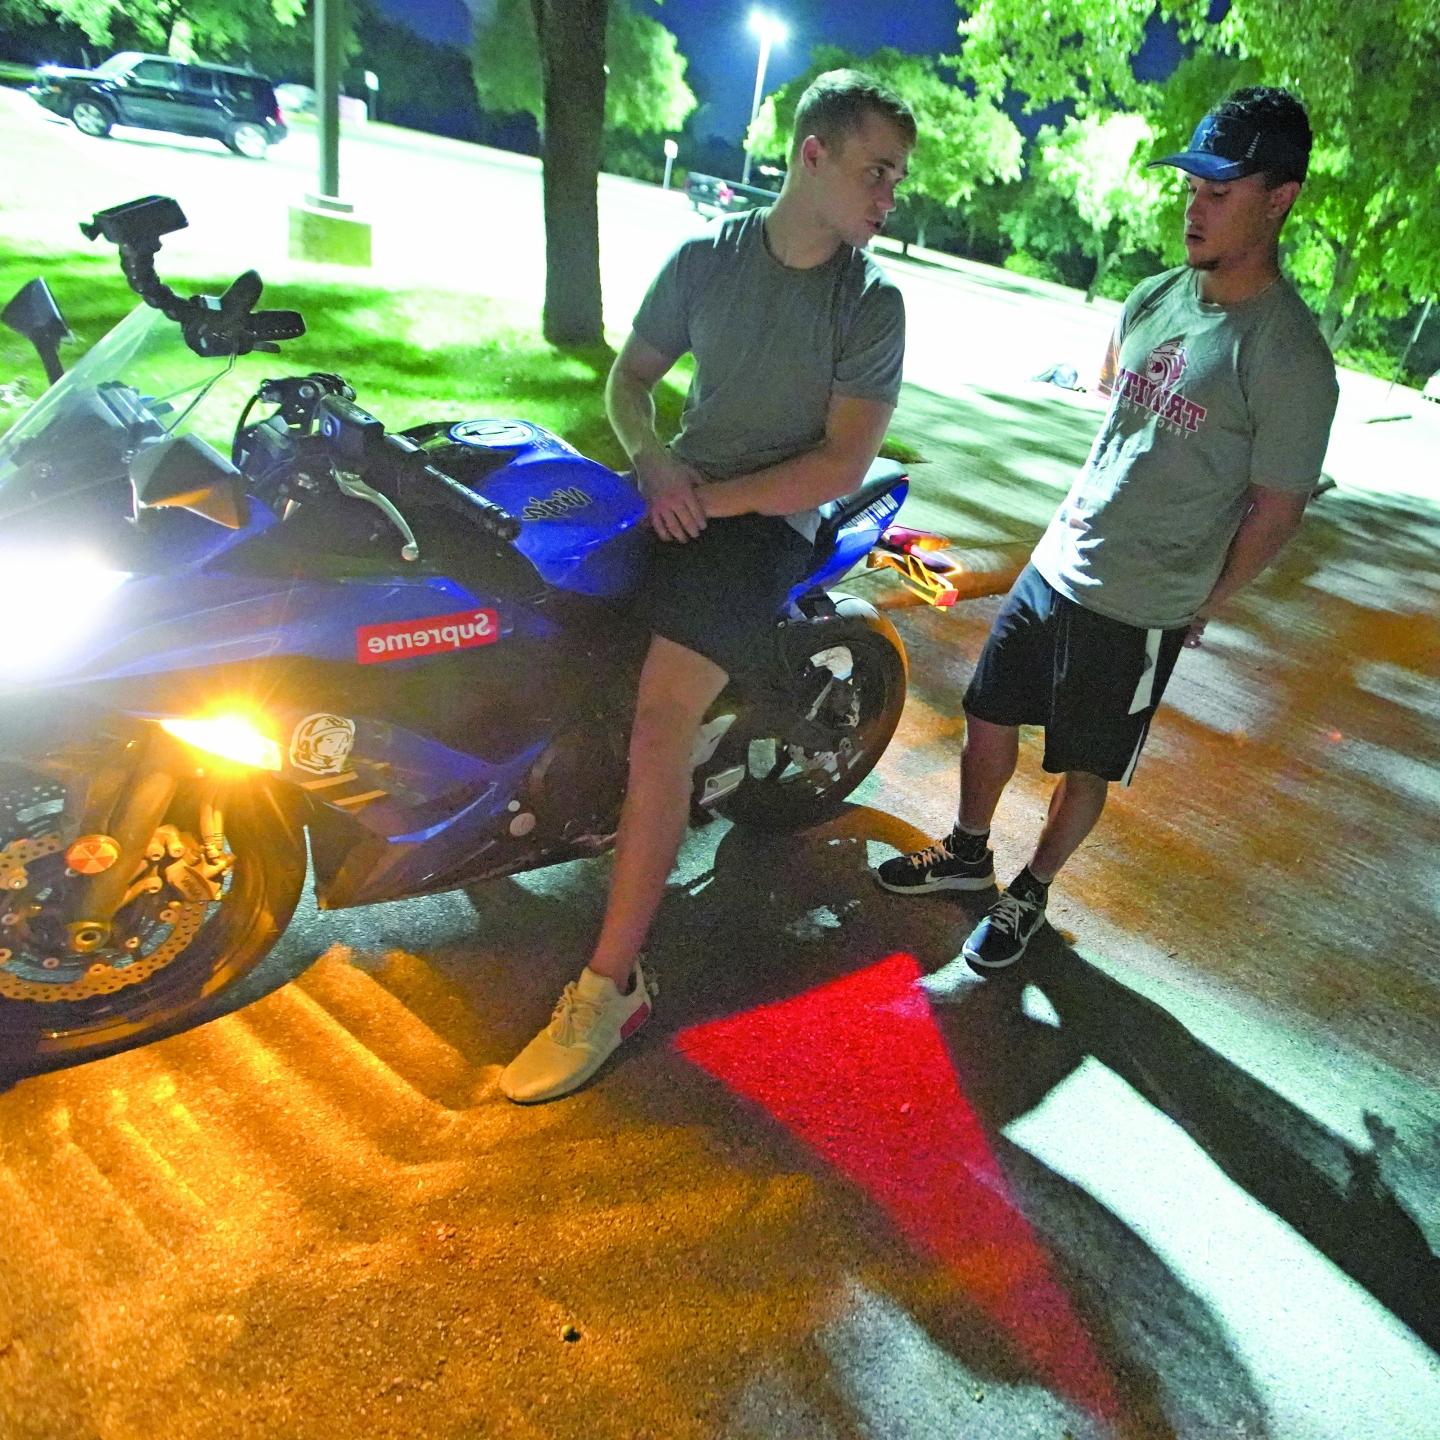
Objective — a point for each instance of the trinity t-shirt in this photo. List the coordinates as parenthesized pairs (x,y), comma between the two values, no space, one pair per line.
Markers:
(771,345)
(1206,400)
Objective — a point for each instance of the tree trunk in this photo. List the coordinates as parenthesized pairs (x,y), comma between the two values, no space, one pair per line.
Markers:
(920,234)
(1103,260)
(1342,283)
(572,56)
(1342,332)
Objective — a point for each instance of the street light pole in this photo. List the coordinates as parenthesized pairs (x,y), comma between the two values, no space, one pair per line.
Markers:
(768,29)
(329,28)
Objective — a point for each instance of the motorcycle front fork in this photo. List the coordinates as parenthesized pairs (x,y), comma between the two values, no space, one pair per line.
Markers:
(132,852)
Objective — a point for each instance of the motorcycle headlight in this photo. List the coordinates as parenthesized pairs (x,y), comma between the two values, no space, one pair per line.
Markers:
(61,596)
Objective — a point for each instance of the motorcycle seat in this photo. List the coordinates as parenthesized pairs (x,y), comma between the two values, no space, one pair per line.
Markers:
(881,478)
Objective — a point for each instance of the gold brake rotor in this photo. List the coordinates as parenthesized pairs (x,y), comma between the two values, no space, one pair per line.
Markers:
(99,978)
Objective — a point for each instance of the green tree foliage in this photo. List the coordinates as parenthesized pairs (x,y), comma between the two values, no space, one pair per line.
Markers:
(1368,75)
(1079,50)
(1097,163)
(645,91)
(422,84)
(213,27)
(962,144)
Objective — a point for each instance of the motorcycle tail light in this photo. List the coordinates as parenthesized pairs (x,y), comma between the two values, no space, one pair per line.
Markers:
(232,737)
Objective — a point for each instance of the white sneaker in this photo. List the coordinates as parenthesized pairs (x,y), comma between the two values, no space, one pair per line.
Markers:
(589,1023)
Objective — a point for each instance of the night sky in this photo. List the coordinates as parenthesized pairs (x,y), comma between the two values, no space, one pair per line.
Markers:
(715,37)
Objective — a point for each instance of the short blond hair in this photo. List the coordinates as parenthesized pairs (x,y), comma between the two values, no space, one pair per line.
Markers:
(836,103)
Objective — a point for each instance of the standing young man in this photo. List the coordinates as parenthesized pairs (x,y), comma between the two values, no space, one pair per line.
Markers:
(1222,396)
(798,339)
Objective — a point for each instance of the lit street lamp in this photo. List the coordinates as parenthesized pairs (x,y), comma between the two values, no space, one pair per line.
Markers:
(671,151)
(771,32)
(372,84)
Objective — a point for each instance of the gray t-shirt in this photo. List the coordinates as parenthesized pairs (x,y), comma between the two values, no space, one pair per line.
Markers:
(1207,400)
(771,346)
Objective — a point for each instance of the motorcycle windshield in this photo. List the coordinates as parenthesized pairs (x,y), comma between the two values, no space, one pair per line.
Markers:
(138,384)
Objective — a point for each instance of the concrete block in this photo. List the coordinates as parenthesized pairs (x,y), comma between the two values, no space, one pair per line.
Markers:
(329,237)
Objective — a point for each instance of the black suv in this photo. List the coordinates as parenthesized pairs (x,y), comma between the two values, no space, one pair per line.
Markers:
(158,93)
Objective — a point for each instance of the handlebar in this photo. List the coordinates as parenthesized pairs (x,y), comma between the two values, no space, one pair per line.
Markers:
(359,439)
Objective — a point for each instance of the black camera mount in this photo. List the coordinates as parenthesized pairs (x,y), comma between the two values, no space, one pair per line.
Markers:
(227,326)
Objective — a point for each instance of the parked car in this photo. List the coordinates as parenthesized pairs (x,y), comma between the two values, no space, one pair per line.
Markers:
(155,92)
(1432,388)
(710,192)
(296,99)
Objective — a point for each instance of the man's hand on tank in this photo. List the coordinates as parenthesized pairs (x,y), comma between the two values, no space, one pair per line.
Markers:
(674,512)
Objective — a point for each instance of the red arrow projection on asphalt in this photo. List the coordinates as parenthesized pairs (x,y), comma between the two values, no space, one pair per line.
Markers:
(835,1066)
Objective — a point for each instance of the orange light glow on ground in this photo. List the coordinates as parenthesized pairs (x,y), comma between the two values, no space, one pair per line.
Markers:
(859,1072)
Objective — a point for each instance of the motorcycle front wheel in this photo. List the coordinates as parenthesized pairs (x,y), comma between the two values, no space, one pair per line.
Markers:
(848,674)
(170,946)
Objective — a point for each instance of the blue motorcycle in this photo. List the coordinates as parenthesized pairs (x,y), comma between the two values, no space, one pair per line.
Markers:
(416,649)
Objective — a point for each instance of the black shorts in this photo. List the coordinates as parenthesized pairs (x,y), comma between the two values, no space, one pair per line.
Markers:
(1092,682)
(721,593)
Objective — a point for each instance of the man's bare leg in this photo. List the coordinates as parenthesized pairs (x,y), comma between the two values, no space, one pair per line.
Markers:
(986,764)
(677,686)
(963,861)
(999,940)
(1075,806)
(602,1009)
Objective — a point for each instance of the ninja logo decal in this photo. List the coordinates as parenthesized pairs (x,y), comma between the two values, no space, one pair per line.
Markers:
(434,635)
(561,502)
(322,744)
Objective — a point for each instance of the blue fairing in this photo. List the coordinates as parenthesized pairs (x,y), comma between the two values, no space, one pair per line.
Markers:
(854,542)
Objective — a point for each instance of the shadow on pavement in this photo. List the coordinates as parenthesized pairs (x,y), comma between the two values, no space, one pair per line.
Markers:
(1337,1195)
(782,919)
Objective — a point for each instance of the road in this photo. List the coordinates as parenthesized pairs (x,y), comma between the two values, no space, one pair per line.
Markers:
(1178,1179)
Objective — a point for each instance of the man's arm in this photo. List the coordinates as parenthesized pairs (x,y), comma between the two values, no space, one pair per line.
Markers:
(854,430)
(1273,517)
(1110,365)
(668,484)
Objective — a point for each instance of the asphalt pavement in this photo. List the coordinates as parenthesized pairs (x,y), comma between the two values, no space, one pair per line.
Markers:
(1179,1176)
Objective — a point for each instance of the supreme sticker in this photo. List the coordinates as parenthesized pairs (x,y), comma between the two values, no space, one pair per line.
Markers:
(435,635)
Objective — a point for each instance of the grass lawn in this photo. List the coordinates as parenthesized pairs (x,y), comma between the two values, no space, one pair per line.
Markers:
(411,355)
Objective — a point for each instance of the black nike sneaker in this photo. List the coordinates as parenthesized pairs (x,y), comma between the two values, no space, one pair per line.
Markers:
(958,862)
(999,940)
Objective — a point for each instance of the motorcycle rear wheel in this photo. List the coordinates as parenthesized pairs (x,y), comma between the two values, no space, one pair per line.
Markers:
(800,787)
(185,952)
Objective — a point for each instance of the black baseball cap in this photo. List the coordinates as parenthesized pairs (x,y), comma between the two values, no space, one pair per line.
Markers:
(1229,147)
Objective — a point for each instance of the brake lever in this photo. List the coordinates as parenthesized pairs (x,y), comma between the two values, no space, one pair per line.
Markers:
(357,489)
